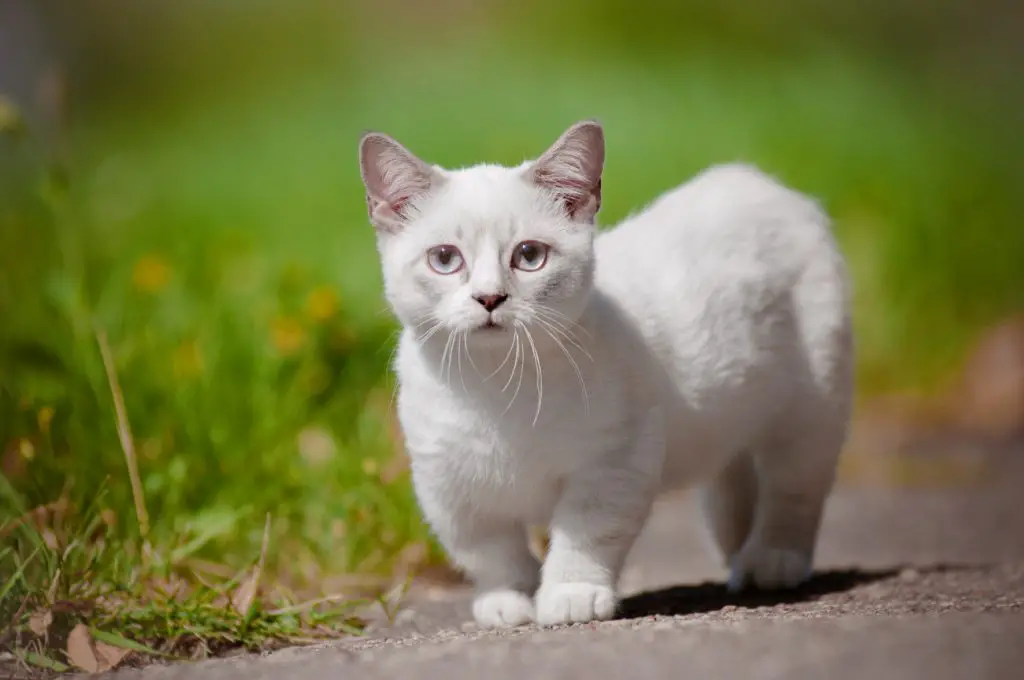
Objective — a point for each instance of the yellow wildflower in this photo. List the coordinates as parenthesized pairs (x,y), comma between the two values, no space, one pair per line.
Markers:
(187,360)
(322,303)
(151,274)
(44,419)
(288,335)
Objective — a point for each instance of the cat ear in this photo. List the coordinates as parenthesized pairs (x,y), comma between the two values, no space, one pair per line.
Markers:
(393,177)
(571,170)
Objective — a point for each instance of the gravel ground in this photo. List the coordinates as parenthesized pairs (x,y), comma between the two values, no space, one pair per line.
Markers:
(924,582)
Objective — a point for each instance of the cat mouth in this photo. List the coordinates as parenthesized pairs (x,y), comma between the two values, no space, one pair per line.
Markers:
(490,325)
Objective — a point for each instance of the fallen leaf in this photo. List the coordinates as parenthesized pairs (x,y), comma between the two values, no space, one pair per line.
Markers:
(39,623)
(110,656)
(245,596)
(80,652)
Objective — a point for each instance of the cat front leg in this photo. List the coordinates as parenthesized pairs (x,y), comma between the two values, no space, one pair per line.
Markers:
(505,575)
(494,553)
(594,525)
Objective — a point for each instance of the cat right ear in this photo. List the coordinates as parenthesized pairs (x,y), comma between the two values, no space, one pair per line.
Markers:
(393,177)
(571,170)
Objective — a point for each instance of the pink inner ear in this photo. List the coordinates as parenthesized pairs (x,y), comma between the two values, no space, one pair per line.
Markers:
(398,204)
(570,191)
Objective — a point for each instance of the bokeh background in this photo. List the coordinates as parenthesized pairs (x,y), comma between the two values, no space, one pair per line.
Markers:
(179,184)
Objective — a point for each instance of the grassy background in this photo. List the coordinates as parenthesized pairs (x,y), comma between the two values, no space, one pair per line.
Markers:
(196,199)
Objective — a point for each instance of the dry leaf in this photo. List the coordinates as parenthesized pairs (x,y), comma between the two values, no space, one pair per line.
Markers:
(110,656)
(246,593)
(39,623)
(80,652)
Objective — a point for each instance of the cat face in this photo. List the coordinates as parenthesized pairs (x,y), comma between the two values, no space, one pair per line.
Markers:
(485,249)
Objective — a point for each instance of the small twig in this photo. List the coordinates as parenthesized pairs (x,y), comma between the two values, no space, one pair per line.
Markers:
(124,433)
(10,628)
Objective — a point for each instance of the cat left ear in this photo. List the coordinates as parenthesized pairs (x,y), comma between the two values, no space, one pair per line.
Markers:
(393,177)
(571,170)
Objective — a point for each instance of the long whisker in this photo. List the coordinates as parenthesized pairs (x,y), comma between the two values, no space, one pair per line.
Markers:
(522,370)
(565,327)
(575,366)
(460,345)
(469,355)
(447,355)
(540,374)
(512,373)
(566,322)
(431,331)
(511,345)
(390,341)
(565,334)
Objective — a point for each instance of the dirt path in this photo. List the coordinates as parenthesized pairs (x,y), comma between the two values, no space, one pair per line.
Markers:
(918,583)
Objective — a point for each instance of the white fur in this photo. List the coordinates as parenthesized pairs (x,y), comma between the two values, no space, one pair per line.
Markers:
(705,341)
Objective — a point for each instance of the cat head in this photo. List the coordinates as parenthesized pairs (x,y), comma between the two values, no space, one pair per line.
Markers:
(486,248)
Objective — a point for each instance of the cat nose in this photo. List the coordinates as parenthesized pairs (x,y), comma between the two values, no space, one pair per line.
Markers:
(491,302)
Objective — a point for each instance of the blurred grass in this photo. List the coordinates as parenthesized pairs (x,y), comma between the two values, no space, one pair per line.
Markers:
(214,228)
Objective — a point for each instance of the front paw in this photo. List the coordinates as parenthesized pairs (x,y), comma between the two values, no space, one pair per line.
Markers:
(574,603)
(502,609)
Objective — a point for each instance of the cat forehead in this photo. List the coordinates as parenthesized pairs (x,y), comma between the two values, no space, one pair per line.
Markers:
(486,193)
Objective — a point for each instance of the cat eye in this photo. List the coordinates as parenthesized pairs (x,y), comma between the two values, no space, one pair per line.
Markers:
(445,259)
(530,256)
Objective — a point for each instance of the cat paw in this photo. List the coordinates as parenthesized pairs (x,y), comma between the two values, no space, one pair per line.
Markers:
(768,569)
(502,609)
(574,603)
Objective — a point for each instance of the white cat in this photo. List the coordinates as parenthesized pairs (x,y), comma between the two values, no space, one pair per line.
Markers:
(550,375)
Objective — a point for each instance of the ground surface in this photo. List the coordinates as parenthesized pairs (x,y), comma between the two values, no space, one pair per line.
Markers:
(919,582)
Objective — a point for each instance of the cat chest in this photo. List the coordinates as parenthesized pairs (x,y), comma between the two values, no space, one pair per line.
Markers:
(518,473)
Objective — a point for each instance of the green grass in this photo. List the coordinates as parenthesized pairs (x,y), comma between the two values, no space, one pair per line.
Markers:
(219,244)
(69,571)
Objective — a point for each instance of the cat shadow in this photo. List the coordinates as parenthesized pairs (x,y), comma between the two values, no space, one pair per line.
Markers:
(709,597)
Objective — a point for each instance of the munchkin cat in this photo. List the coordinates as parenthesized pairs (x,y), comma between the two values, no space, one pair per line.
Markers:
(551,374)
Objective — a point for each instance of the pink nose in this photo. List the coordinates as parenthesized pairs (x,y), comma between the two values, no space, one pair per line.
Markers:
(491,302)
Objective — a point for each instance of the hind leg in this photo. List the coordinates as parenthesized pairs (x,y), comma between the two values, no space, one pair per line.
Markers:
(728,502)
(794,473)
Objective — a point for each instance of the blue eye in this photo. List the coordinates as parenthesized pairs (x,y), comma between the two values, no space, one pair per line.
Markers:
(445,259)
(530,256)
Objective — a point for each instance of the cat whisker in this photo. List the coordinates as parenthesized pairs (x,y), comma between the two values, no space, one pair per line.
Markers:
(566,335)
(431,331)
(460,345)
(469,354)
(540,374)
(565,322)
(575,366)
(390,342)
(522,368)
(447,354)
(565,327)
(512,373)
(511,346)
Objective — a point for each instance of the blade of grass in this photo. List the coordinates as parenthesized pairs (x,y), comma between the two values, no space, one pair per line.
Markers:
(16,576)
(116,640)
(248,604)
(41,661)
(124,433)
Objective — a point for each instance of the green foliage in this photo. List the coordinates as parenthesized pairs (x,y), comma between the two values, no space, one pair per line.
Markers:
(211,225)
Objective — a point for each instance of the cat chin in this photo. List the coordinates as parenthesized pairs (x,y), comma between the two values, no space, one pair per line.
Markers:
(491,335)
